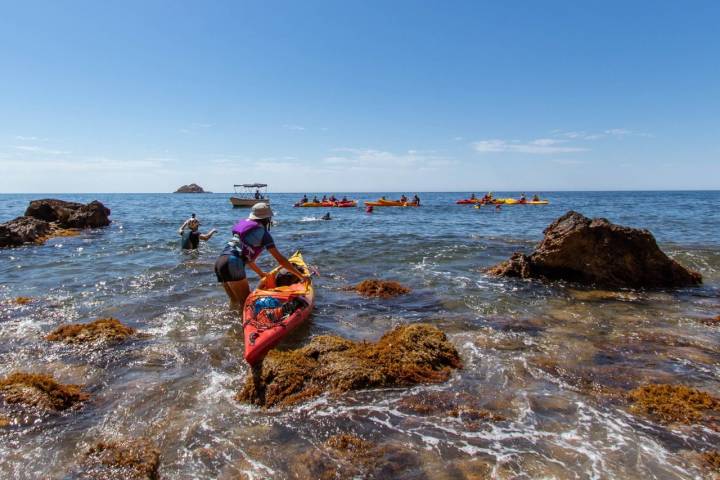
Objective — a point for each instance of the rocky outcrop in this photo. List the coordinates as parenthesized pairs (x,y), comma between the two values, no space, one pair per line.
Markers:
(598,252)
(51,217)
(405,356)
(675,404)
(192,188)
(380,288)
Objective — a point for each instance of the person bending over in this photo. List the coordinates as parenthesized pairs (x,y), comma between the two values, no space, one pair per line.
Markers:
(250,237)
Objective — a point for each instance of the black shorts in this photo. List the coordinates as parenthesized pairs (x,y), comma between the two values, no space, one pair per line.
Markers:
(229,268)
(190,240)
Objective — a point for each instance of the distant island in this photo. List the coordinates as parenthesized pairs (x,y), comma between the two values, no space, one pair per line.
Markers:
(192,188)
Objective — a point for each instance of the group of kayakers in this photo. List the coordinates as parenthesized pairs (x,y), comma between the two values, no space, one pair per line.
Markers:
(250,237)
(332,198)
(488,198)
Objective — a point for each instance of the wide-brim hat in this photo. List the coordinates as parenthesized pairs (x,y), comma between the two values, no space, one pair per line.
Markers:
(260,211)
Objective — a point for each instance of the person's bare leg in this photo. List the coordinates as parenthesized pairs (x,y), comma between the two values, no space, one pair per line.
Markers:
(238,292)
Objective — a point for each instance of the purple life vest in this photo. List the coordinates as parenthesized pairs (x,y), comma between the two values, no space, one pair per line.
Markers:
(241,229)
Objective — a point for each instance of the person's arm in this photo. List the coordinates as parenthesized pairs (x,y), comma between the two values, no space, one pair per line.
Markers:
(182,227)
(285,263)
(207,236)
(256,269)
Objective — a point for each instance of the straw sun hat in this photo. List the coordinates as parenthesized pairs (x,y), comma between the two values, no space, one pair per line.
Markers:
(260,211)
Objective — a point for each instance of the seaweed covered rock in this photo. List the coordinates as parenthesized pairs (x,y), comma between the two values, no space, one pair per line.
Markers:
(452,404)
(41,391)
(597,252)
(51,218)
(136,459)
(104,329)
(380,288)
(674,403)
(407,355)
(348,456)
(192,188)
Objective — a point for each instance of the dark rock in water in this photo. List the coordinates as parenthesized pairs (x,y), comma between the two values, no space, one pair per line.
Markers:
(104,329)
(52,218)
(597,252)
(192,188)
(69,214)
(452,404)
(405,356)
(136,459)
(41,391)
(24,230)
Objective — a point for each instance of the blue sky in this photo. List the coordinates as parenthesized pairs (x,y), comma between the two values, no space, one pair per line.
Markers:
(359,95)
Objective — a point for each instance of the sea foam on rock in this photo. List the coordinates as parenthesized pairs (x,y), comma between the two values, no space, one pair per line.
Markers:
(407,355)
(598,252)
(49,218)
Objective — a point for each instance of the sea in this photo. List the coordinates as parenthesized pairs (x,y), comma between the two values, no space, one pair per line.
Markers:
(530,349)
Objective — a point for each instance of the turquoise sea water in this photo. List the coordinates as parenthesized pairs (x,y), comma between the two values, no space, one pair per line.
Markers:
(177,385)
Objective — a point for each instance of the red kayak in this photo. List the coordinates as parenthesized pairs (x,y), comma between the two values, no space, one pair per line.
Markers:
(279,305)
(467,201)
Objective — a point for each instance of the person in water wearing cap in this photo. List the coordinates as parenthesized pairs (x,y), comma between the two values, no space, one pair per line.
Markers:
(250,237)
(191,238)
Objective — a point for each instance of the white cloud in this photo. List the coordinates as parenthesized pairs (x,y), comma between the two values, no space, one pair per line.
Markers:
(294,127)
(23,138)
(610,132)
(568,161)
(540,146)
(40,150)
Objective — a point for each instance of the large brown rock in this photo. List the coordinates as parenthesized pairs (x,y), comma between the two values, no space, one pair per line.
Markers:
(70,214)
(50,218)
(598,252)
(192,188)
(23,230)
(405,356)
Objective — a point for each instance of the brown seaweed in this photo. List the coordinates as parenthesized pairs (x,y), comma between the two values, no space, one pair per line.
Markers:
(136,459)
(40,390)
(405,356)
(381,288)
(104,329)
(673,403)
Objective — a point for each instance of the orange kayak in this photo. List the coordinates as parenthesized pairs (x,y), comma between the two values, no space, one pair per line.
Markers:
(279,304)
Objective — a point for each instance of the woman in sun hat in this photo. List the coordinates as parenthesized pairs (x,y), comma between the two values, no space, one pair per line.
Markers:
(250,237)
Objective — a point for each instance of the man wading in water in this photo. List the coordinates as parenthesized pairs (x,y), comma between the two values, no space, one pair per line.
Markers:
(191,238)
(250,237)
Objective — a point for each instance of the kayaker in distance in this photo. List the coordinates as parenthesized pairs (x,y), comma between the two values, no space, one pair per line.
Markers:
(191,238)
(324,198)
(304,199)
(472,196)
(523,199)
(315,199)
(403,198)
(250,237)
(332,198)
(344,199)
(416,199)
(536,198)
(326,216)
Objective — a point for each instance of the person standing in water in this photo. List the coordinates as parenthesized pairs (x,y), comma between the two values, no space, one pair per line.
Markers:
(250,237)
(192,236)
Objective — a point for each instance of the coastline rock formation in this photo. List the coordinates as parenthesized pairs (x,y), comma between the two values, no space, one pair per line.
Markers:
(104,329)
(41,391)
(598,252)
(49,218)
(135,459)
(407,355)
(192,188)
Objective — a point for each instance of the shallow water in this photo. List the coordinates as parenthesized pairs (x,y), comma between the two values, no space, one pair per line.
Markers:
(528,348)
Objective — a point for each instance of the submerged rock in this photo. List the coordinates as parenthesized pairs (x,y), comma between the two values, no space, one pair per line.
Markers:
(52,218)
(40,390)
(136,459)
(192,188)
(348,456)
(22,300)
(674,403)
(407,355)
(104,329)
(4,421)
(452,404)
(597,252)
(380,288)
(712,460)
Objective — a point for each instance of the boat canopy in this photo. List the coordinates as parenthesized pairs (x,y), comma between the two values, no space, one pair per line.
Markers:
(251,185)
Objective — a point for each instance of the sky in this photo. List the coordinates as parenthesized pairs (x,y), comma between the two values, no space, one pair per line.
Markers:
(322,96)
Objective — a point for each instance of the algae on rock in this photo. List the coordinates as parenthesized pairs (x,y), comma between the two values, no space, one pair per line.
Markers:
(673,403)
(136,459)
(407,355)
(381,288)
(104,329)
(41,391)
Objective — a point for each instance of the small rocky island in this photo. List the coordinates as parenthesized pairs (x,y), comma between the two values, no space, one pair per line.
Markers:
(192,188)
